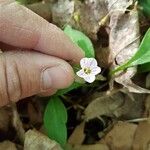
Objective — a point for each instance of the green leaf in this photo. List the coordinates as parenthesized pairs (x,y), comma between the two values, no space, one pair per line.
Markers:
(141,57)
(85,44)
(146,6)
(55,118)
(75,85)
(81,40)
(144,68)
(27,1)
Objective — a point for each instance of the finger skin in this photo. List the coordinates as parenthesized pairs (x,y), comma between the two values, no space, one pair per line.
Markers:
(21,76)
(21,27)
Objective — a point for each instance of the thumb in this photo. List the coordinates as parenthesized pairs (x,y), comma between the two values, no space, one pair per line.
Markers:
(24,73)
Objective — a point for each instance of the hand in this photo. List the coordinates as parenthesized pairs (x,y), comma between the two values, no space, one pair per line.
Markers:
(35,54)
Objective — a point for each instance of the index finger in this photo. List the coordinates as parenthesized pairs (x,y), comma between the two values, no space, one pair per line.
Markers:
(21,27)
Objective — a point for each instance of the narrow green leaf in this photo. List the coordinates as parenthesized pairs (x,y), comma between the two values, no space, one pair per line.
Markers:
(141,57)
(75,85)
(81,40)
(55,118)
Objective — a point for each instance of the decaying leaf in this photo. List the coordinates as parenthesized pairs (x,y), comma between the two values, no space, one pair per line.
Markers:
(62,12)
(78,135)
(124,32)
(35,140)
(91,12)
(120,137)
(82,15)
(148,81)
(34,112)
(106,105)
(7,145)
(142,137)
(132,107)
(4,119)
(121,105)
(91,147)
(42,9)
(124,40)
(147,106)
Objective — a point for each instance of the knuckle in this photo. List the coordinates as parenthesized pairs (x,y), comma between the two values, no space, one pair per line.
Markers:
(12,80)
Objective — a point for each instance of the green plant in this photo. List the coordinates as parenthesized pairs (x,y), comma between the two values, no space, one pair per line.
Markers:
(55,115)
(142,56)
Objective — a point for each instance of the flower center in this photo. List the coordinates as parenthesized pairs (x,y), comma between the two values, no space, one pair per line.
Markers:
(87,70)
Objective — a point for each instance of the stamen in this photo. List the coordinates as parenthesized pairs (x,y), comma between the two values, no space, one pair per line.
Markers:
(87,70)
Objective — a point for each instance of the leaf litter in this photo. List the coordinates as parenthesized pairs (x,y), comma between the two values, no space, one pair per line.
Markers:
(109,115)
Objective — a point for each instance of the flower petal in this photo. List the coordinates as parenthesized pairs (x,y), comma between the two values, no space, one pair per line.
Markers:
(84,62)
(81,73)
(89,78)
(95,70)
(92,62)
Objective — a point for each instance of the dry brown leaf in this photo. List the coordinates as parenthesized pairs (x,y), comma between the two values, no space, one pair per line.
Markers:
(103,57)
(124,41)
(91,12)
(131,109)
(35,140)
(106,105)
(124,32)
(148,81)
(142,137)
(4,119)
(84,16)
(62,12)
(132,87)
(147,106)
(41,9)
(7,145)
(78,135)
(34,113)
(91,147)
(120,137)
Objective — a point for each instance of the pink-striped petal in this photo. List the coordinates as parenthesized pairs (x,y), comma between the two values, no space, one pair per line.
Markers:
(92,62)
(84,62)
(95,70)
(81,73)
(89,78)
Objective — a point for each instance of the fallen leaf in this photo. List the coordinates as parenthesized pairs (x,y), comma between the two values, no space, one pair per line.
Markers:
(132,87)
(62,12)
(91,12)
(148,81)
(147,106)
(106,105)
(34,113)
(78,135)
(124,40)
(120,137)
(91,147)
(84,16)
(7,145)
(4,119)
(35,140)
(132,107)
(42,9)
(124,31)
(142,137)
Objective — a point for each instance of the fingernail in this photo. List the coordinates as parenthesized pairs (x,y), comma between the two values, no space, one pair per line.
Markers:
(51,76)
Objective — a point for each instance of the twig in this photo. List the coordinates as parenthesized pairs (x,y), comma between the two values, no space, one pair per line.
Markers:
(137,120)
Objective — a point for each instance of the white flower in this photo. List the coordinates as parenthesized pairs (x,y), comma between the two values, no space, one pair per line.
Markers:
(89,69)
